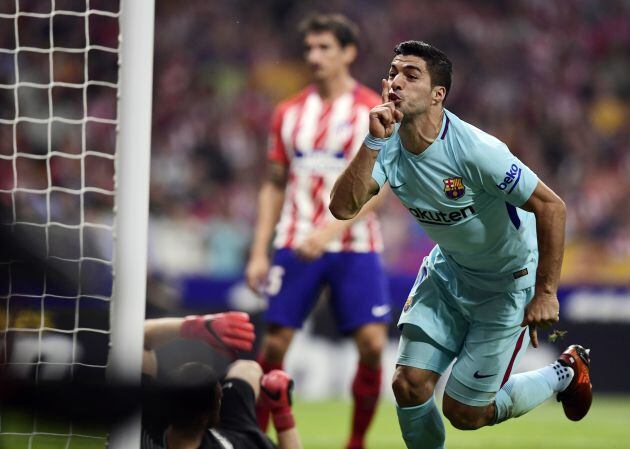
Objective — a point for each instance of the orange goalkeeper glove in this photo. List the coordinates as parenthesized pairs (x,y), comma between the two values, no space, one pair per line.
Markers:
(227,332)
(276,390)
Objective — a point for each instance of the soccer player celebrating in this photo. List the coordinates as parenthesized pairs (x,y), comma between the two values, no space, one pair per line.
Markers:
(313,137)
(495,268)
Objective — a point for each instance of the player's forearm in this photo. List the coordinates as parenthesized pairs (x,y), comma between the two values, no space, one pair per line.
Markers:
(355,186)
(270,203)
(289,439)
(550,228)
(160,331)
(337,227)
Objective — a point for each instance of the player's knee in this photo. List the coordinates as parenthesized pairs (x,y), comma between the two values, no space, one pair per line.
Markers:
(276,344)
(247,370)
(371,350)
(371,340)
(463,417)
(410,391)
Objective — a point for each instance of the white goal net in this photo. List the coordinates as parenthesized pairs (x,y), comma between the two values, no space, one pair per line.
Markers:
(59,119)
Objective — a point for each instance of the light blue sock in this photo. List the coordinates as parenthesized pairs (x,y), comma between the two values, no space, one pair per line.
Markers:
(526,391)
(422,426)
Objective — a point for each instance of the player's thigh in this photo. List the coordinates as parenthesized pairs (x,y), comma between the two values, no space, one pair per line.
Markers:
(418,350)
(432,306)
(358,287)
(292,288)
(490,353)
(421,362)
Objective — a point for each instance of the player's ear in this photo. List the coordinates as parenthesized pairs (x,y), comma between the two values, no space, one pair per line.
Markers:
(349,53)
(438,94)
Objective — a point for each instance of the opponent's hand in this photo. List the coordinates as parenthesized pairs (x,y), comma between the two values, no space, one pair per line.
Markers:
(314,245)
(542,311)
(384,117)
(276,390)
(256,273)
(226,332)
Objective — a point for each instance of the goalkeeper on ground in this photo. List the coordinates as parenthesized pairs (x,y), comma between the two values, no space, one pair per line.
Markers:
(208,412)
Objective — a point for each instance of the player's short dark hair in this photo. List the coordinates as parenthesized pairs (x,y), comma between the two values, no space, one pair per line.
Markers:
(345,31)
(194,390)
(439,66)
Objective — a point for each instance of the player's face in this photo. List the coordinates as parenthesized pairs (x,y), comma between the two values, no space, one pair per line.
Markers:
(410,85)
(325,56)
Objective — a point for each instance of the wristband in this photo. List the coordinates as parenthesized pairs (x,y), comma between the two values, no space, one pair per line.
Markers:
(374,143)
(283,421)
(193,327)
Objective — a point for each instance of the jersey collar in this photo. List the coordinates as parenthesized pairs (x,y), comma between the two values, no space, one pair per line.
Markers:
(436,143)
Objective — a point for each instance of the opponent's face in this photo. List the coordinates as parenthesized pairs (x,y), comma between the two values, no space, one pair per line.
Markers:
(325,56)
(410,85)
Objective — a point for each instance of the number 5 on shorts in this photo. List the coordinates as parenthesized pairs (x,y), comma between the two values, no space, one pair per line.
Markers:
(274,280)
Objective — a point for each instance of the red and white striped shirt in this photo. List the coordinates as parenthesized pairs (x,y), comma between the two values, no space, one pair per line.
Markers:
(317,140)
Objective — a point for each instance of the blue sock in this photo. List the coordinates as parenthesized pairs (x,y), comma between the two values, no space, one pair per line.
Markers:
(526,391)
(422,426)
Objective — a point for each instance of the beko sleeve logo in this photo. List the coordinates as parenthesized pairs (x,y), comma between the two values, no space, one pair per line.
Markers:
(512,177)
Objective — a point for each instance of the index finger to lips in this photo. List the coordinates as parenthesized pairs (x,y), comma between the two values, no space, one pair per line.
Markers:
(390,105)
(533,335)
(384,91)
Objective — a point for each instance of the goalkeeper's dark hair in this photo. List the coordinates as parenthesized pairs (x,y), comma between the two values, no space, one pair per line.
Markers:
(193,389)
(439,66)
(345,31)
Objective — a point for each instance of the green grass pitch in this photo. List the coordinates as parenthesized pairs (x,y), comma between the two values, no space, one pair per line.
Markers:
(607,426)
(324,425)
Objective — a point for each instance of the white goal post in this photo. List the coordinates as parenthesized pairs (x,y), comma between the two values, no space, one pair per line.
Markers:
(75,135)
(132,203)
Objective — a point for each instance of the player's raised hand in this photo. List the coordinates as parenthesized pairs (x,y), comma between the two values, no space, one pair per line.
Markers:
(226,332)
(256,273)
(276,390)
(384,117)
(542,311)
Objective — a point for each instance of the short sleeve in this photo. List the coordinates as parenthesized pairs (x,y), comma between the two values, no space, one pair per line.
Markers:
(503,175)
(378,172)
(386,159)
(276,150)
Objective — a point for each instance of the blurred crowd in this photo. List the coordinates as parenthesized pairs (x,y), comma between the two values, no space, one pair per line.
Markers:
(548,78)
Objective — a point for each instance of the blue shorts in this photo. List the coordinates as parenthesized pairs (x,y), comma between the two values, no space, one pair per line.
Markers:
(358,292)
(446,319)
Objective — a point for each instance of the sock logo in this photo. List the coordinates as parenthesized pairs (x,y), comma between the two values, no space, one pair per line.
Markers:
(482,376)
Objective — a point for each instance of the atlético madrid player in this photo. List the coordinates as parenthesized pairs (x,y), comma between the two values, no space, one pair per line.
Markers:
(314,135)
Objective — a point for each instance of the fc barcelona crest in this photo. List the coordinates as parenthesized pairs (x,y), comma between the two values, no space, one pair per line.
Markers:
(454,187)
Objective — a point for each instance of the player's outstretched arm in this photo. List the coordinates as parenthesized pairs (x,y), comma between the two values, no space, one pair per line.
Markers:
(227,332)
(356,186)
(270,201)
(550,213)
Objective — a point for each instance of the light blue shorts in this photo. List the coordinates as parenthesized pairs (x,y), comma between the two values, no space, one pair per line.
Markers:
(445,319)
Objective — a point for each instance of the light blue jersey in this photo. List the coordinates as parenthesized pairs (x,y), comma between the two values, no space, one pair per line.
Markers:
(464,190)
